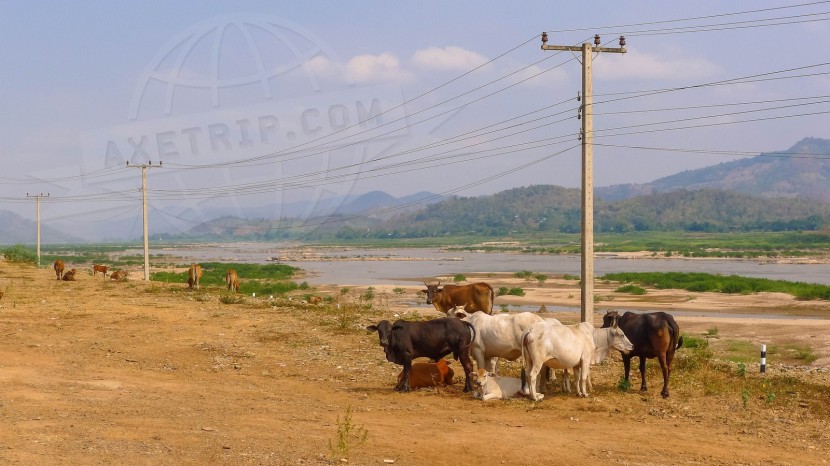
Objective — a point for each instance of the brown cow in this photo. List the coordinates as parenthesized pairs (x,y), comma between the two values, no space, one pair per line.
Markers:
(194,274)
(99,268)
(473,297)
(316,300)
(119,275)
(429,374)
(69,276)
(232,280)
(654,335)
(58,266)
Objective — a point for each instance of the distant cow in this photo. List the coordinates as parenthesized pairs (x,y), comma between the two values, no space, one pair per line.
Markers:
(194,274)
(473,297)
(568,346)
(429,374)
(654,335)
(119,275)
(231,279)
(498,336)
(492,387)
(99,268)
(404,341)
(58,266)
(316,300)
(69,276)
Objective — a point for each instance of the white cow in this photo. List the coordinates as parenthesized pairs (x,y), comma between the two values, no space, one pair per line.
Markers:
(568,346)
(487,386)
(497,336)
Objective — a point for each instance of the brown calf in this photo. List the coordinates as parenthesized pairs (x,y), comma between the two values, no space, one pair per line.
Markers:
(429,374)
(99,268)
(58,266)
(119,275)
(194,274)
(69,276)
(232,279)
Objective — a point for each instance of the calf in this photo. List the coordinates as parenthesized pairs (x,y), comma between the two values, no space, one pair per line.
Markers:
(498,336)
(473,297)
(194,274)
(58,266)
(568,346)
(69,276)
(654,335)
(232,280)
(316,300)
(404,341)
(429,374)
(99,268)
(119,275)
(491,387)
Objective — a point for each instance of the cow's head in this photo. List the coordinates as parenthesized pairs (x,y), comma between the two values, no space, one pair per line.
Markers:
(619,341)
(431,291)
(384,329)
(458,313)
(610,319)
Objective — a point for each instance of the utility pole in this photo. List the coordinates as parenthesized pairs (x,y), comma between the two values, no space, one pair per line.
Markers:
(144,167)
(587,136)
(37,202)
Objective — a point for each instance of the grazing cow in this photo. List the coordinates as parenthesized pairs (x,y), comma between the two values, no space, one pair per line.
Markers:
(316,300)
(491,387)
(654,335)
(473,297)
(429,374)
(232,280)
(404,341)
(194,274)
(58,266)
(119,275)
(99,268)
(69,276)
(568,346)
(497,336)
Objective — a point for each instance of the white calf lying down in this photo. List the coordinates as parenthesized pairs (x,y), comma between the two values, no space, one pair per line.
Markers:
(490,387)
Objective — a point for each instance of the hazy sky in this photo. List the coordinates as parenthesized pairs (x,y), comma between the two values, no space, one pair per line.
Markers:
(254,103)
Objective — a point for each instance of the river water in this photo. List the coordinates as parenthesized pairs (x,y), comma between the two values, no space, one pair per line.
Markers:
(403,266)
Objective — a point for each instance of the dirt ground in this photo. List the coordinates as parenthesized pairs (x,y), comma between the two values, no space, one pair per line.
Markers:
(98,372)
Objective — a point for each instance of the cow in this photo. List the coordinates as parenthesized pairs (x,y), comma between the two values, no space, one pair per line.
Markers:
(231,279)
(497,336)
(654,335)
(194,274)
(99,268)
(69,276)
(429,374)
(404,341)
(568,346)
(58,266)
(491,387)
(119,275)
(473,297)
(316,300)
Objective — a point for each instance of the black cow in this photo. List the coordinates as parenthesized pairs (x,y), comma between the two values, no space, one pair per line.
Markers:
(654,335)
(404,341)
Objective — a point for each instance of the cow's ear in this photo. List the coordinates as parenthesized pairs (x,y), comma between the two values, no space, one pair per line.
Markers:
(460,314)
(372,328)
(397,326)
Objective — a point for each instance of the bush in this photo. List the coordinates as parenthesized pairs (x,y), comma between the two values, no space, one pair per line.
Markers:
(459,277)
(516,292)
(631,289)
(19,253)
(526,274)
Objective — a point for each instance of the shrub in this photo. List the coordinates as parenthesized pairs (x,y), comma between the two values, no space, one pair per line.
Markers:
(515,291)
(540,277)
(631,289)
(526,274)
(460,277)
(19,253)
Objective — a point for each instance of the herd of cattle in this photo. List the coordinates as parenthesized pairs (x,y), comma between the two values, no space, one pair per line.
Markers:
(471,331)
(69,275)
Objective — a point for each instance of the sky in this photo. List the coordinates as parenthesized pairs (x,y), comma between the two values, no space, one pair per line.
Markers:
(275,105)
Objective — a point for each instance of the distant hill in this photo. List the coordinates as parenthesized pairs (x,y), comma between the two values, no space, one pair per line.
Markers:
(553,208)
(15,229)
(768,175)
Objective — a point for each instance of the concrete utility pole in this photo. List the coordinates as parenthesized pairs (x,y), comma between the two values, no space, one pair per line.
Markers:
(144,167)
(587,136)
(37,202)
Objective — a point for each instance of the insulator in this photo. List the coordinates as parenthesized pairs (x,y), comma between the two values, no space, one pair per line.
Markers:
(578,97)
(544,38)
(622,41)
(596,40)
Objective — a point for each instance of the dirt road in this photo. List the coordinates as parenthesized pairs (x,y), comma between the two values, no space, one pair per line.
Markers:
(97,372)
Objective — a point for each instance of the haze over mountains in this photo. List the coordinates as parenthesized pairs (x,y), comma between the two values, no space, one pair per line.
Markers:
(777,190)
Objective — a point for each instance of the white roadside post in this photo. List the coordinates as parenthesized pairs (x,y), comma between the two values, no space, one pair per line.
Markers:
(763,359)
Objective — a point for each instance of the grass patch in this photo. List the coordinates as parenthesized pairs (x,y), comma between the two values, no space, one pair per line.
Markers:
(20,254)
(459,277)
(631,289)
(526,274)
(261,279)
(503,290)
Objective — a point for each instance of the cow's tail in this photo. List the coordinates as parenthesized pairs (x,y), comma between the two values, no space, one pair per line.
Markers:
(472,337)
(492,299)
(524,380)
(675,333)
(679,342)
(526,352)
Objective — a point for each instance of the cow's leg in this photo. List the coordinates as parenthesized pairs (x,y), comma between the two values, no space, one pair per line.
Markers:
(627,366)
(407,372)
(493,366)
(643,386)
(533,373)
(467,364)
(566,381)
(661,357)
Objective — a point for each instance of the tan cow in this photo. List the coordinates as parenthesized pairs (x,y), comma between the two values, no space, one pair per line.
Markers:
(429,374)
(69,276)
(473,297)
(316,300)
(119,275)
(99,268)
(194,274)
(58,266)
(232,279)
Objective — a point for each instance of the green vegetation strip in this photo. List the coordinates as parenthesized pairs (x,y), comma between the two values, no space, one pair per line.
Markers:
(701,282)
(254,278)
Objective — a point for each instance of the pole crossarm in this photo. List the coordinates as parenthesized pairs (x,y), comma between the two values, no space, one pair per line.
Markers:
(578,48)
